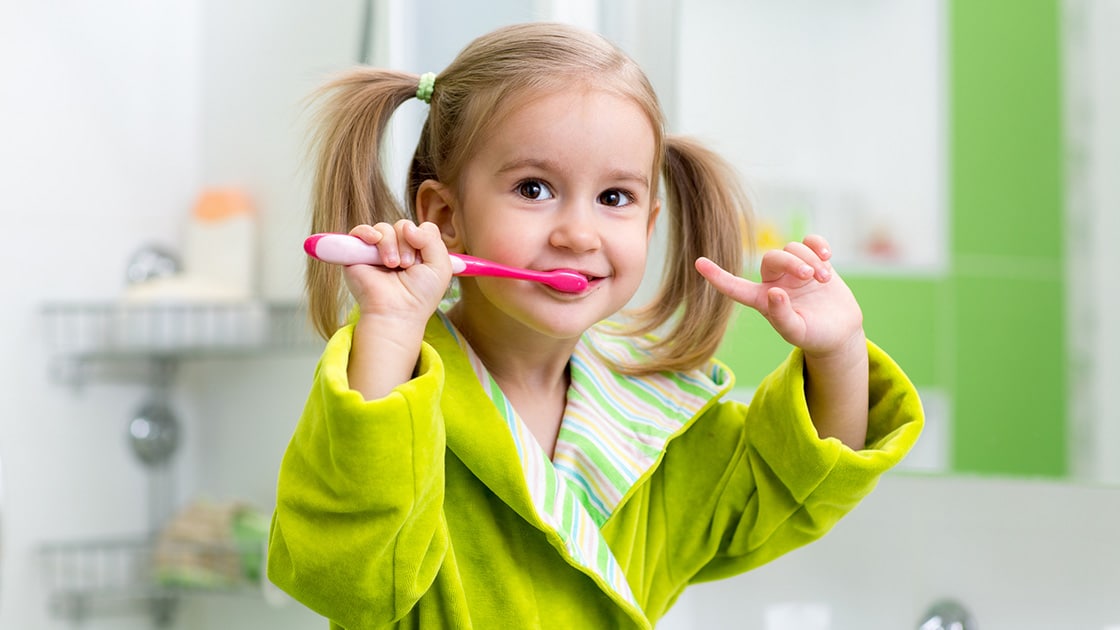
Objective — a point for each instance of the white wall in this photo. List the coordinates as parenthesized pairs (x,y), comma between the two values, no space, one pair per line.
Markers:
(1020,554)
(836,112)
(113,116)
(99,121)
(1092,135)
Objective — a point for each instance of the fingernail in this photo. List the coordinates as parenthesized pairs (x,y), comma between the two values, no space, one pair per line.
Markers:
(806,270)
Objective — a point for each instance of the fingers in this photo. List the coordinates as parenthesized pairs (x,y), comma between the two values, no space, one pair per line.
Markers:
(818,267)
(819,245)
(393,244)
(429,245)
(739,289)
(802,260)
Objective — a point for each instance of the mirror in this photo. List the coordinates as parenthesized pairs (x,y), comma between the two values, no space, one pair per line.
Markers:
(958,160)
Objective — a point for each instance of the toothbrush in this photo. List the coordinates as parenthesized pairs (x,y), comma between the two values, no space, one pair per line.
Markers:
(344,249)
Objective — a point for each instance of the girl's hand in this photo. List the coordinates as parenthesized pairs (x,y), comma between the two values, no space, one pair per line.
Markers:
(396,299)
(414,274)
(800,295)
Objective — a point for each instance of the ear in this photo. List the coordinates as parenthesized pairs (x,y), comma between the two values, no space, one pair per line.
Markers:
(436,203)
(654,210)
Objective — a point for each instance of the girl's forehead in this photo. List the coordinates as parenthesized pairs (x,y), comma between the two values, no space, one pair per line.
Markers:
(559,112)
(596,134)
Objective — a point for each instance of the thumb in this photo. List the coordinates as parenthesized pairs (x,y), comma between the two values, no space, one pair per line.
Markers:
(782,317)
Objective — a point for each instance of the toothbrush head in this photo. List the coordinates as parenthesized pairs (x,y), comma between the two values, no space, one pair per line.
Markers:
(565,280)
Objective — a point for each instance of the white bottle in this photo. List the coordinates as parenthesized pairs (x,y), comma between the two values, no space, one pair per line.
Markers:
(219,246)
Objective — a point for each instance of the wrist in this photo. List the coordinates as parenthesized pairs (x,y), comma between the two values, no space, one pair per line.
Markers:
(383,354)
(850,353)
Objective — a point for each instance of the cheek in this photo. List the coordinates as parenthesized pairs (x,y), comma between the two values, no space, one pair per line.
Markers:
(511,247)
(635,256)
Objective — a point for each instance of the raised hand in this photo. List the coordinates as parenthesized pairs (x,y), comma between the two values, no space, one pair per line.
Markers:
(802,297)
(811,307)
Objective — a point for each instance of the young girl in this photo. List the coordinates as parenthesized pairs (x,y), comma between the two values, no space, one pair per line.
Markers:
(510,460)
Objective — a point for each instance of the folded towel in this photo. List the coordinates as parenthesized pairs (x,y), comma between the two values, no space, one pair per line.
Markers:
(211,545)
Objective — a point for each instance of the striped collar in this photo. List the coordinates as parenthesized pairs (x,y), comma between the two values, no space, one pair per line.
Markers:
(616,426)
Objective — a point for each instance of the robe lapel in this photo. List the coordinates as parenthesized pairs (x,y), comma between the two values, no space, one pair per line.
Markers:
(476,431)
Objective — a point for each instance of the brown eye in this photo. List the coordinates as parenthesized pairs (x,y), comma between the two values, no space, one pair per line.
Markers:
(615,198)
(534,189)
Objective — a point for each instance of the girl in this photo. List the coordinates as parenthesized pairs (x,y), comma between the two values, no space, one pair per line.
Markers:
(511,461)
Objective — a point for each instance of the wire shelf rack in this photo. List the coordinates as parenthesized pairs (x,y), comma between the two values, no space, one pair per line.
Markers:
(82,336)
(129,575)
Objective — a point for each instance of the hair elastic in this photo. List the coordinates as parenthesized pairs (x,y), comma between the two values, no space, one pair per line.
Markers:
(426,87)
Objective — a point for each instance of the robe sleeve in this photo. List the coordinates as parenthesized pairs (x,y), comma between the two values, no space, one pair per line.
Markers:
(358,533)
(785,486)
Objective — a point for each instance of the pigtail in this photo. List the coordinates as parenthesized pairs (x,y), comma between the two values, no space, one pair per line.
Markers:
(709,215)
(349,185)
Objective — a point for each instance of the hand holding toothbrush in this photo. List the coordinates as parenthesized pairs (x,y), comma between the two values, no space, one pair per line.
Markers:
(395,299)
(410,276)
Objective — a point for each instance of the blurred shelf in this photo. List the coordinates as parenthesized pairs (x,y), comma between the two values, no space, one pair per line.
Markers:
(114,577)
(84,337)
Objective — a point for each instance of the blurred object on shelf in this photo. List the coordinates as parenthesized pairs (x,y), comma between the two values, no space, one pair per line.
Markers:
(208,547)
(193,549)
(219,260)
(151,262)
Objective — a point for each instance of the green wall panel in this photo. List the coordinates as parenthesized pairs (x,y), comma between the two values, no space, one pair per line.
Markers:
(1005,132)
(1006,278)
(1009,400)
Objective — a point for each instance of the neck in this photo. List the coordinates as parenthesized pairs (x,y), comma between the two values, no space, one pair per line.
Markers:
(516,359)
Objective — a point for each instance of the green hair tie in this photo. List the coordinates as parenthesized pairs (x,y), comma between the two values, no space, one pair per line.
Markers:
(426,87)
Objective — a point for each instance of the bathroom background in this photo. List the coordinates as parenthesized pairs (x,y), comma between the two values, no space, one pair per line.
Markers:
(960,154)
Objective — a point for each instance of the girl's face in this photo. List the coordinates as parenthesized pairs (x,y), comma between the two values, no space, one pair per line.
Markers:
(563,181)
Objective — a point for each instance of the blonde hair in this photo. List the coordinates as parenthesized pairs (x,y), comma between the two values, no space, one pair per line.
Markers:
(706,207)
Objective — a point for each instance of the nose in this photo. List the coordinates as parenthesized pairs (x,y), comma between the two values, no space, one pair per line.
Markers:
(576,229)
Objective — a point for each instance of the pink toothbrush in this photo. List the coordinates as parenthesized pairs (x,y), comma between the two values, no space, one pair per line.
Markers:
(343,249)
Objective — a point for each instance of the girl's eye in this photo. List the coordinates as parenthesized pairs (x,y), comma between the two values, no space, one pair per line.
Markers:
(615,198)
(534,189)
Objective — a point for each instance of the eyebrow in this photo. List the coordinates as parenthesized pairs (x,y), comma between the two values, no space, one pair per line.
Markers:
(552,166)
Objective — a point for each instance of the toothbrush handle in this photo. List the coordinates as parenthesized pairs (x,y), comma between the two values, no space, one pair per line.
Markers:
(343,249)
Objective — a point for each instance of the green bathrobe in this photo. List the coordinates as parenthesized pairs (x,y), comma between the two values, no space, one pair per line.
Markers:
(434,507)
